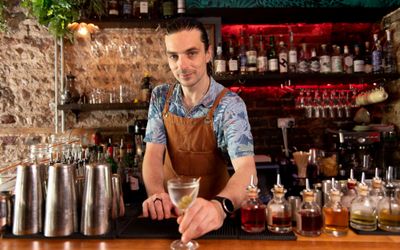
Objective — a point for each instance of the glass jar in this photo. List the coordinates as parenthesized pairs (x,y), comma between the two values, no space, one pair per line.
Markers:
(252,211)
(279,213)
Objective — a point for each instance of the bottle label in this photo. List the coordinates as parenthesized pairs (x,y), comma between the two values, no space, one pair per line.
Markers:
(127,9)
(262,64)
(304,67)
(337,64)
(251,57)
(181,6)
(144,7)
(243,62)
(359,66)
(325,63)
(134,183)
(233,65)
(315,66)
(283,62)
(220,66)
(376,61)
(292,56)
(168,8)
(113,8)
(273,64)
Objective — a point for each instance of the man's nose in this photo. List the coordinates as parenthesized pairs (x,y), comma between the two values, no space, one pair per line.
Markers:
(183,62)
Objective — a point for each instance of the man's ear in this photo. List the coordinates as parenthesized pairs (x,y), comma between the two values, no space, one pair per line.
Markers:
(209,53)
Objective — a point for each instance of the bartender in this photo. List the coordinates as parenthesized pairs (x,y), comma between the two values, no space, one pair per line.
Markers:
(193,127)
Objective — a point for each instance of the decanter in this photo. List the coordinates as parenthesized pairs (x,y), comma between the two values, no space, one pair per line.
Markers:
(309,216)
(389,207)
(253,210)
(376,192)
(362,211)
(279,213)
(351,192)
(335,215)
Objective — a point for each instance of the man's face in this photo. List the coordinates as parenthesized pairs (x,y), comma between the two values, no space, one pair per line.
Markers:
(187,57)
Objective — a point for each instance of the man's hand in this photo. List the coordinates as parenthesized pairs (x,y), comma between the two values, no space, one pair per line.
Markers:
(158,206)
(202,217)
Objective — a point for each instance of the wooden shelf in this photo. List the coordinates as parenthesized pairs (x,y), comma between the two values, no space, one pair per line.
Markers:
(121,22)
(276,79)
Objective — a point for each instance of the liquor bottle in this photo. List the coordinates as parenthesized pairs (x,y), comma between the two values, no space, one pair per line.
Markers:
(359,64)
(127,163)
(335,215)
(143,9)
(351,192)
(303,65)
(309,216)
(233,65)
(389,207)
(348,61)
(242,58)
(325,60)
(292,55)
(376,192)
(315,66)
(181,7)
(388,55)
(110,157)
(127,9)
(272,56)
(219,62)
(362,212)
(168,9)
(251,55)
(377,56)
(113,8)
(154,8)
(279,213)
(262,59)
(283,58)
(252,211)
(136,8)
(367,58)
(336,60)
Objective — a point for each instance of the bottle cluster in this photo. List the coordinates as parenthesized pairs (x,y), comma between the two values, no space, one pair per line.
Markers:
(271,56)
(145,9)
(361,206)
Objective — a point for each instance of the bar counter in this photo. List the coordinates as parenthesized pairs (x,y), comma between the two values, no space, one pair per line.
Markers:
(351,241)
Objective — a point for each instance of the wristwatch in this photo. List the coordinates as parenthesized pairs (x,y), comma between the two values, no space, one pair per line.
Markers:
(226,204)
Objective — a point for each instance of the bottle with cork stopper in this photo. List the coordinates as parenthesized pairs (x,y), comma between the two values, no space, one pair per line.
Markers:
(376,192)
(362,211)
(351,192)
(309,216)
(253,210)
(279,213)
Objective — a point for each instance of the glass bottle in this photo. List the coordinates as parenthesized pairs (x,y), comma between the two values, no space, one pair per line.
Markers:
(348,61)
(242,57)
(219,62)
(168,9)
(262,59)
(233,67)
(376,192)
(283,58)
(253,211)
(303,65)
(388,55)
(362,212)
(181,7)
(358,61)
(377,56)
(335,215)
(367,58)
(315,66)
(127,9)
(389,208)
(325,60)
(292,55)
(351,192)
(251,55)
(272,56)
(309,216)
(279,213)
(336,60)
(113,8)
(144,9)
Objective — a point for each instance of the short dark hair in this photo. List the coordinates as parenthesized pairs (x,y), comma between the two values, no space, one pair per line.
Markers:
(190,23)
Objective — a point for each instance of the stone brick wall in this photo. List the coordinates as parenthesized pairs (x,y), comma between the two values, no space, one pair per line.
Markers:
(117,57)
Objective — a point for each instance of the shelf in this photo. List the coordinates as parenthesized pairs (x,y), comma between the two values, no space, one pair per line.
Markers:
(121,22)
(276,79)
(77,108)
(292,15)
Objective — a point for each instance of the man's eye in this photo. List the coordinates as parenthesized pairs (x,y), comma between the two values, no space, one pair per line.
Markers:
(173,57)
(191,54)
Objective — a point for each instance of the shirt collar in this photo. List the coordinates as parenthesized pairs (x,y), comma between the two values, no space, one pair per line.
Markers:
(207,100)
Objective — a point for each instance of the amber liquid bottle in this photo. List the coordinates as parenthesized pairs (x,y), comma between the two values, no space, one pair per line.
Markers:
(335,215)
(253,211)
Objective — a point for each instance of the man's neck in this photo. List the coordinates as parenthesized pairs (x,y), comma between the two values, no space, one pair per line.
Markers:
(193,95)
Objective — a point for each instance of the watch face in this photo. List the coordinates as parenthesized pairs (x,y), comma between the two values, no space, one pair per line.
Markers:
(228,205)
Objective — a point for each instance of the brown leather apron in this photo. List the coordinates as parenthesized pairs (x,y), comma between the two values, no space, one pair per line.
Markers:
(192,149)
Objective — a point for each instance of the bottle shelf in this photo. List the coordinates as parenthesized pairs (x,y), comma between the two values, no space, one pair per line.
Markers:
(276,79)
(130,22)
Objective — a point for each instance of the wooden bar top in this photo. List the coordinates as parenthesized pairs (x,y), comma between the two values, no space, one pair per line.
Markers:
(325,242)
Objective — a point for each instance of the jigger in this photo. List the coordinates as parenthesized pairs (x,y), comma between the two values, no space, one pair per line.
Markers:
(96,200)
(61,217)
(28,206)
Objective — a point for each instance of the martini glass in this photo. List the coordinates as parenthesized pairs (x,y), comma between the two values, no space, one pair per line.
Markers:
(183,191)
